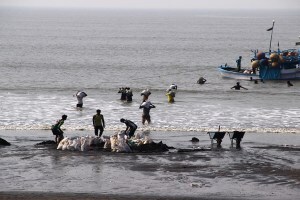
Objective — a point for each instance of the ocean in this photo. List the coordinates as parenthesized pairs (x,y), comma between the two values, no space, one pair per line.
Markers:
(47,55)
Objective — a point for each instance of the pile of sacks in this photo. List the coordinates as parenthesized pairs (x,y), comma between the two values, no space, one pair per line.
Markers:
(121,143)
(80,143)
(118,142)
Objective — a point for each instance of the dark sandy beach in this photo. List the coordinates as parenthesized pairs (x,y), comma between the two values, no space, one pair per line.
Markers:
(266,167)
(76,196)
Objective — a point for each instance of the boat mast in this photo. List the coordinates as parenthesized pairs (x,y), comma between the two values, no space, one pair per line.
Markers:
(271,29)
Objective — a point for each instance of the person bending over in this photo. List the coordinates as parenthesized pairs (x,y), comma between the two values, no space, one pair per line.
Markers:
(130,127)
(57,131)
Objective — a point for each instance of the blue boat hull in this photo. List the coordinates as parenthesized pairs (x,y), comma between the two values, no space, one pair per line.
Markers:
(285,74)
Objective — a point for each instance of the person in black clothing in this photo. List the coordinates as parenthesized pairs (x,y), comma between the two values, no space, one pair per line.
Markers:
(239,63)
(238,86)
(201,80)
(123,93)
(128,94)
(289,84)
(130,127)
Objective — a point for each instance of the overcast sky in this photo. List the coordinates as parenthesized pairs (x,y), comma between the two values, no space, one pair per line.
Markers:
(160,4)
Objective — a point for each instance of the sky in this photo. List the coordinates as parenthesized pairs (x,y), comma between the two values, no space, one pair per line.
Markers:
(158,4)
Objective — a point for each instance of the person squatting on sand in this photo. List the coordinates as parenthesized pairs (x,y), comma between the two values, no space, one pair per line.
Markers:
(57,131)
(130,127)
(80,95)
(99,123)
(146,105)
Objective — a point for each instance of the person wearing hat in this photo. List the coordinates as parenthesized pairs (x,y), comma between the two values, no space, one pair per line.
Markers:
(99,123)
(130,127)
(57,131)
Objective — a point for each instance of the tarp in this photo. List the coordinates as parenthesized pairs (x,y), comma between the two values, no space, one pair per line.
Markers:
(269,73)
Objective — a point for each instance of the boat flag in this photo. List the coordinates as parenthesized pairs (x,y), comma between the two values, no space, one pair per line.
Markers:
(270,29)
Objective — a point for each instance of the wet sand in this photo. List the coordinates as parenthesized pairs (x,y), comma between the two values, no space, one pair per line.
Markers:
(266,167)
(74,196)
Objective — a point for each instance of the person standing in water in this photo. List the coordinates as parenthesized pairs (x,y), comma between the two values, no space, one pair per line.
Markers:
(99,123)
(80,95)
(238,86)
(128,94)
(56,130)
(146,105)
(170,94)
(201,80)
(289,84)
(122,90)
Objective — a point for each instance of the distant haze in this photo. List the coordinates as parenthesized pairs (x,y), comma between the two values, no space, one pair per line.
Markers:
(158,4)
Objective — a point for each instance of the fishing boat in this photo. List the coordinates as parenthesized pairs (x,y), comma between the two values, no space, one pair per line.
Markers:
(270,65)
(279,65)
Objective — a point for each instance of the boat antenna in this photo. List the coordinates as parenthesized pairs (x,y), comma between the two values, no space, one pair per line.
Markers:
(278,47)
(271,29)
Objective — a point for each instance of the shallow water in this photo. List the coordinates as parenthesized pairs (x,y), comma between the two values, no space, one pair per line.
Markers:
(266,167)
(47,55)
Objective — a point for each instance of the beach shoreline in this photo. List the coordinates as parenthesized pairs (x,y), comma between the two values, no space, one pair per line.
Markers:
(264,168)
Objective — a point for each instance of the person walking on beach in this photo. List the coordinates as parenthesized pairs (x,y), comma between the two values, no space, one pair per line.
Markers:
(130,127)
(146,105)
(99,123)
(239,63)
(80,95)
(238,86)
(56,130)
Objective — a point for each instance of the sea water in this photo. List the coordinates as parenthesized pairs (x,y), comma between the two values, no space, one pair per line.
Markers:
(47,55)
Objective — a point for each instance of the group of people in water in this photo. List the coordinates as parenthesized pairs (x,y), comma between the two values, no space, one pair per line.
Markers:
(98,118)
(126,95)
